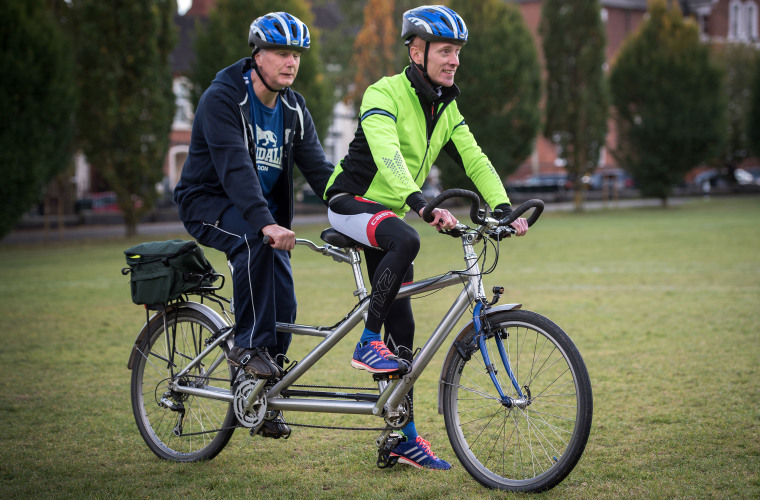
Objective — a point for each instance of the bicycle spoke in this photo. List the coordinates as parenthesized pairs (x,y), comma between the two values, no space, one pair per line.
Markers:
(533,444)
(206,424)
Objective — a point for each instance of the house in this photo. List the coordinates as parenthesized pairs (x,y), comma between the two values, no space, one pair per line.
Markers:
(720,21)
(338,136)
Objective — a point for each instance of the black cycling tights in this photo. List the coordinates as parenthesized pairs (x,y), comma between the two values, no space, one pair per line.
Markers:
(373,224)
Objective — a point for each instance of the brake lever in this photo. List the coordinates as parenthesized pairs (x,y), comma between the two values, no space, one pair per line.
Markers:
(456,232)
(501,232)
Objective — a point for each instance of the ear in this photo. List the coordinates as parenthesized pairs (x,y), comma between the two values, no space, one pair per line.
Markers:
(257,57)
(416,54)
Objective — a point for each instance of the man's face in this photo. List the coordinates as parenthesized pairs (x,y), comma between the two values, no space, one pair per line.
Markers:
(279,67)
(442,63)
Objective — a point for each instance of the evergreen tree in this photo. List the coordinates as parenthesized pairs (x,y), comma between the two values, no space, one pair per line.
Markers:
(753,125)
(500,80)
(224,40)
(128,105)
(577,96)
(37,106)
(668,100)
(738,62)
(337,43)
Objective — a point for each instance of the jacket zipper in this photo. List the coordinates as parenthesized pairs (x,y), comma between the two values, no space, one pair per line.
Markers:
(430,126)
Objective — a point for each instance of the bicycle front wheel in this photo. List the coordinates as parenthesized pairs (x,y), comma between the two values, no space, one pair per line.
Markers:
(176,426)
(528,443)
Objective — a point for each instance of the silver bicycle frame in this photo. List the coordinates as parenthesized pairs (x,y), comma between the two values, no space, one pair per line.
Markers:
(393,392)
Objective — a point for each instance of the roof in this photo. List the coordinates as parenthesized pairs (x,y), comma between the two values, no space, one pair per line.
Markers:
(620,4)
(183,55)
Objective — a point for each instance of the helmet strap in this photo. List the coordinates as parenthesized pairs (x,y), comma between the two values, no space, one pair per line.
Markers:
(427,49)
(421,67)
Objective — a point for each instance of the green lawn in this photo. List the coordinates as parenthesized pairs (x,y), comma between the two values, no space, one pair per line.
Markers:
(663,305)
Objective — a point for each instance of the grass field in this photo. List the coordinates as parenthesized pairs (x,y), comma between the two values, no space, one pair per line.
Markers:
(663,304)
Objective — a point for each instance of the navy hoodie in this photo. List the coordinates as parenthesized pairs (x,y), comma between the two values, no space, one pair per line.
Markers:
(219,171)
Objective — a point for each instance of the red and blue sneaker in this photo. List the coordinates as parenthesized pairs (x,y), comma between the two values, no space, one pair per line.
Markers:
(374,357)
(418,454)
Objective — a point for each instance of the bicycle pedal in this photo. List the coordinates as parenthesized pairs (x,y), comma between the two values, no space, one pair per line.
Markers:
(377,377)
(384,458)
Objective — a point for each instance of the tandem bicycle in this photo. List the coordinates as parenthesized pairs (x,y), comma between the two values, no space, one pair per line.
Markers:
(514,391)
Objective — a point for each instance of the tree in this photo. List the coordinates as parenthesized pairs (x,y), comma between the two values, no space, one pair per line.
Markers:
(337,42)
(378,49)
(37,107)
(224,40)
(577,96)
(738,62)
(754,113)
(127,107)
(501,87)
(668,101)
(374,47)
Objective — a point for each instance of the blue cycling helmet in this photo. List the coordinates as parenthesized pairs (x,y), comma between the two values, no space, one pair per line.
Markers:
(434,23)
(278,30)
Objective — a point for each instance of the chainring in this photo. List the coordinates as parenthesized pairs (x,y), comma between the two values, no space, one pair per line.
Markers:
(399,419)
(255,416)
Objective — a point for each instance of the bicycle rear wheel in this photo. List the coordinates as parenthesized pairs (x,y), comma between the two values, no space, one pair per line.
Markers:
(532,448)
(176,426)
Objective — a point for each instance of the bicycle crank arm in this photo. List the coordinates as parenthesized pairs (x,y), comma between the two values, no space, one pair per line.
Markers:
(254,395)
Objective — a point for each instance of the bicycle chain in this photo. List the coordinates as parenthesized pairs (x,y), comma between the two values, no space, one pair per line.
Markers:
(296,424)
(339,428)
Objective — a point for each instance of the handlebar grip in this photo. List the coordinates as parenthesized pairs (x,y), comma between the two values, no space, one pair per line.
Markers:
(536,204)
(454,193)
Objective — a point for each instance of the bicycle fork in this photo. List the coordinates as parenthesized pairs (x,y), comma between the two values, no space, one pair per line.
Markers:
(482,332)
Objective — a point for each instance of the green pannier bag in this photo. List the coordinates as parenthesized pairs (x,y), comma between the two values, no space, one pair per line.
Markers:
(161,271)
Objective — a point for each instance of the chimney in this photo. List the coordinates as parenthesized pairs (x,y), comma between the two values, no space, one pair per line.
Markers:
(201,8)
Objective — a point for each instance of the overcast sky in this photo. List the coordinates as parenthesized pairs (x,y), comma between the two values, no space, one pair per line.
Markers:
(183,6)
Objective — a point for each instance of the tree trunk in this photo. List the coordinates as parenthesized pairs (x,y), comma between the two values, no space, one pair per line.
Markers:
(130,221)
(578,196)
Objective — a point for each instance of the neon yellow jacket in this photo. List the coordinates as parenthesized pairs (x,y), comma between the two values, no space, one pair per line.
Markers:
(397,142)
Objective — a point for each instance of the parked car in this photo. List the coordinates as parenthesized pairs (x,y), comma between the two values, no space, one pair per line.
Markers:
(620,179)
(722,178)
(543,183)
(104,203)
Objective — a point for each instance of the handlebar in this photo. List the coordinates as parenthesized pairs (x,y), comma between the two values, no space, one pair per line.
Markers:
(476,215)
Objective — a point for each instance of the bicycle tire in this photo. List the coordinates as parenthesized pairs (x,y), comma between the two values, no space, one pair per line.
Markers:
(531,449)
(150,378)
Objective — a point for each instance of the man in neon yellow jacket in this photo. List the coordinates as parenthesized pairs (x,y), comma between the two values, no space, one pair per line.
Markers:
(406,120)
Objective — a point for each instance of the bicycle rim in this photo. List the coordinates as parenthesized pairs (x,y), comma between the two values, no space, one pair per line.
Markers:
(520,449)
(177,426)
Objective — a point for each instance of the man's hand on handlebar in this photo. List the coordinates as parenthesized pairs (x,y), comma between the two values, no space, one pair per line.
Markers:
(279,238)
(442,219)
(521,226)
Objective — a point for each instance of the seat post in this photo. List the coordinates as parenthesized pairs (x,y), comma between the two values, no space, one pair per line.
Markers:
(356,261)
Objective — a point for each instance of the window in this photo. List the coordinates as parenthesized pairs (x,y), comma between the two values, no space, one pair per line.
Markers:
(734,20)
(183,115)
(559,151)
(750,16)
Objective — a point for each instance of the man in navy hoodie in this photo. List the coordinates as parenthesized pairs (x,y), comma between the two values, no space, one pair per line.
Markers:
(237,186)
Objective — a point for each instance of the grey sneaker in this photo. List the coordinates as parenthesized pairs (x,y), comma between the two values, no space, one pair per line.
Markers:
(255,360)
